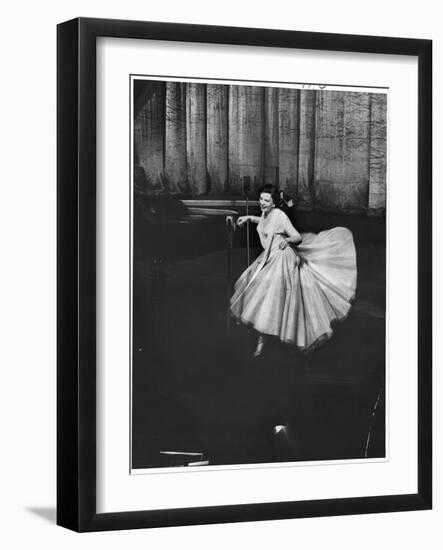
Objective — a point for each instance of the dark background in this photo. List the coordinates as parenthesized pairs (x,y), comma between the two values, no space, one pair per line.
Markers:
(196,385)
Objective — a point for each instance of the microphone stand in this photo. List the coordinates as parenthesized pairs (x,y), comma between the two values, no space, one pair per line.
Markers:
(246,191)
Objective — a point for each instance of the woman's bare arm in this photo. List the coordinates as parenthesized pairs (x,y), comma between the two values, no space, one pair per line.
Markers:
(243,219)
(292,235)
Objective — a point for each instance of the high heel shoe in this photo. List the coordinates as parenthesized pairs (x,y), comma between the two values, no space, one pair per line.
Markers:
(260,344)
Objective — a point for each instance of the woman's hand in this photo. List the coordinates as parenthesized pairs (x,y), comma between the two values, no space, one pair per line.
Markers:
(284,243)
(242,220)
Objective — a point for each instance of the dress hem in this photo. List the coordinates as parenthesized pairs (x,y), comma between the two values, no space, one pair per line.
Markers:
(322,339)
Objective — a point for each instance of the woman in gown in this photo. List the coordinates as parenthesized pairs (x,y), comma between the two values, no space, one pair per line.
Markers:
(299,284)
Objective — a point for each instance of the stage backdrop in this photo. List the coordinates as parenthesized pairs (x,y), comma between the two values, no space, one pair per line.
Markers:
(327,149)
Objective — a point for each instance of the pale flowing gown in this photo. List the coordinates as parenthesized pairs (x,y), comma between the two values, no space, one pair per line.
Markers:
(295,294)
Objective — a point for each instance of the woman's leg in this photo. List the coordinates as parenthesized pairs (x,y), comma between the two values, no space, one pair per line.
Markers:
(260,344)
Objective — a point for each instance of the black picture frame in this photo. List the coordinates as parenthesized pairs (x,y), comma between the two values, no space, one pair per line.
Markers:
(76,279)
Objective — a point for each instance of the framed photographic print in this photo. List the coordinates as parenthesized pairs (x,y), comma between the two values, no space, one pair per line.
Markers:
(244,274)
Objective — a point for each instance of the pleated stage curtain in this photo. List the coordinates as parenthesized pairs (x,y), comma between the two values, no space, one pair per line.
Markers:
(327,149)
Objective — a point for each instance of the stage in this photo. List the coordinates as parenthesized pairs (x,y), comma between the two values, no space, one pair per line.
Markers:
(197,387)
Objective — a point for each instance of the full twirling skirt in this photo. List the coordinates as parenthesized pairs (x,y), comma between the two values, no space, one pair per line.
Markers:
(295,294)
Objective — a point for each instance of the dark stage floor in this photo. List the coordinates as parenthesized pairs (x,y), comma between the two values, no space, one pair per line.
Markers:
(197,388)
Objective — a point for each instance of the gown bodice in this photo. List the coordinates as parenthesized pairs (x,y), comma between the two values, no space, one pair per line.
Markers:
(272,228)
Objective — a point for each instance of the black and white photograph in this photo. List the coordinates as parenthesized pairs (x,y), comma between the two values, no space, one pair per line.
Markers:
(258,273)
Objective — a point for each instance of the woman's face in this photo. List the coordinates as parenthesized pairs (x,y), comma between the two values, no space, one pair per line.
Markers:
(266,202)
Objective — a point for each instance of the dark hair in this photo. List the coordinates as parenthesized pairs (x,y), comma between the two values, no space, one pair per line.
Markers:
(273,190)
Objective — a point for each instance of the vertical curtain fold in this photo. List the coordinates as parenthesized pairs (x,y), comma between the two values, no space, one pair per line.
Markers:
(378,153)
(196,138)
(175,140)
(271,136)
(306,149)
(217,138)
(246,137)
(149,131)
(288,137)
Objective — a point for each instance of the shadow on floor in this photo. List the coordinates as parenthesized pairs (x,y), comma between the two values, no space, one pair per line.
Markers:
(48,514)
